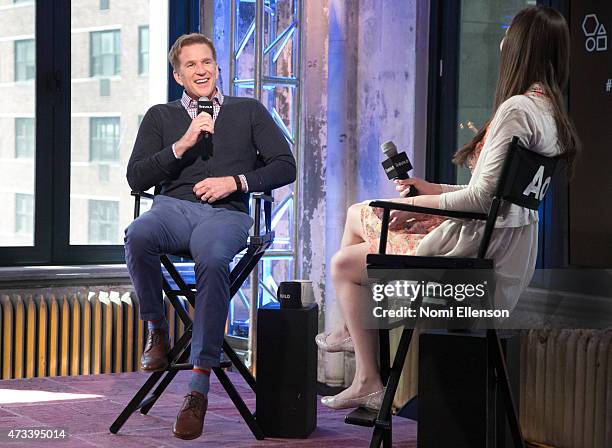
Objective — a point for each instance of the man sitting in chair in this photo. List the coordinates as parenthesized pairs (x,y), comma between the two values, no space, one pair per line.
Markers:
(206,166)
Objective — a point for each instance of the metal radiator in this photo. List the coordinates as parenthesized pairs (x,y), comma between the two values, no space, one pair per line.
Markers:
(78,334)
(566,387)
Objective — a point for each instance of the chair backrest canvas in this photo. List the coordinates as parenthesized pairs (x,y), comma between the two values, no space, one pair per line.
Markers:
(526,176)
(524,181)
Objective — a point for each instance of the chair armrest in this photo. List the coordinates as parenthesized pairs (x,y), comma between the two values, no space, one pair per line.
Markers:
(396,262)
(268,200)
(137,195)
(143,194)
(265,196)
(387,205)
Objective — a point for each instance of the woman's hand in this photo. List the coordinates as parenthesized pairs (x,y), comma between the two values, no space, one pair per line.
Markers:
(422,187)
(399,218)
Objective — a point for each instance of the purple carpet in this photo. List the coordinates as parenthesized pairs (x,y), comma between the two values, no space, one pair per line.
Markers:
(85,407)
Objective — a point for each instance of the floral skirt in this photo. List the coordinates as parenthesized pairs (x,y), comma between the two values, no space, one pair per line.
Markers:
(403,241)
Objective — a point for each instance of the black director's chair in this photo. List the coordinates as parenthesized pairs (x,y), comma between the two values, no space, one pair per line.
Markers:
(178,357)
(524,179)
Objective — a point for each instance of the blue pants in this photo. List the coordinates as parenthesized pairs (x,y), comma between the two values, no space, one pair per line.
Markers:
(213,236)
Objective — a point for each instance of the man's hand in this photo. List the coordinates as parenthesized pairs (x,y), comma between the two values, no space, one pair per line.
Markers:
(404,186)
(200,124)
(212,189)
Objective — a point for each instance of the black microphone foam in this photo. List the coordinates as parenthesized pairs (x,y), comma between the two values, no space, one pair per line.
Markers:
(205,105)
(396,165)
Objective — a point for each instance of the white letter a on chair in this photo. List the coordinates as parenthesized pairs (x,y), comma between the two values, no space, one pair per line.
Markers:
(536,184)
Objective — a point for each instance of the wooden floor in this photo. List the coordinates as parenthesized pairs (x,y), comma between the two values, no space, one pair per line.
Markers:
(85,406)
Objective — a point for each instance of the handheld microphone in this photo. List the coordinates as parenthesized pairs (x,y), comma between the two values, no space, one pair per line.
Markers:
(205,105)
(396,165)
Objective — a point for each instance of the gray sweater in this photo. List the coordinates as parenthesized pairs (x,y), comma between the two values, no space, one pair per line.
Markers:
(246,141)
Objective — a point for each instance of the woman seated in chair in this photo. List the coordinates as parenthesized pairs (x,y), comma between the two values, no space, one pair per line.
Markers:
(534,68)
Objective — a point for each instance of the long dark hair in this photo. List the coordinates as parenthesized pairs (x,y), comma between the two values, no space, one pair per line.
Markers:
(536,49)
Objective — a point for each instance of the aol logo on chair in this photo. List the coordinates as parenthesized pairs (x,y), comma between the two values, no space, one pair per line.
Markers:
(538,185)
(595,33)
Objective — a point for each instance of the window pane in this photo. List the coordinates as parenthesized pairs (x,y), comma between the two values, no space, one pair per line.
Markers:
(25,69)
(483,25)
(109,48)
(104,139)
(105,53)
(17,134)
(24,137)
(143,50)
(24,214)
(103,221)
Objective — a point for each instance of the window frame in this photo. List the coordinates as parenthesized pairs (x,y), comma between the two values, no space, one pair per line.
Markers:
(31,149)
(101,222)
(143,69)
(48,37)
(115,55)
(18,62)
(30,197)
(95,153)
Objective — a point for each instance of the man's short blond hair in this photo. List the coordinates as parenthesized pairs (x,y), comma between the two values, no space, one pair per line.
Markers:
(184,41)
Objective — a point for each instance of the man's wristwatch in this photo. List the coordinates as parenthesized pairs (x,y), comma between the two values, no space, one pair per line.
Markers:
(238,183)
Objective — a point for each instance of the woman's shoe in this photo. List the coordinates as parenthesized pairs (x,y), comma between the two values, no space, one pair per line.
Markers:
(371,401)
(345,345)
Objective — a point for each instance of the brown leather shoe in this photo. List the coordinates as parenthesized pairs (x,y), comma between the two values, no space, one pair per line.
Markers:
(190,419)
(155,355)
